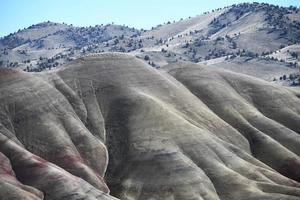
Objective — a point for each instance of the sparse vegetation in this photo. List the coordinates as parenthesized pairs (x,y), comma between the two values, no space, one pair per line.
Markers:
(195,44)
(146,57)
(295,55)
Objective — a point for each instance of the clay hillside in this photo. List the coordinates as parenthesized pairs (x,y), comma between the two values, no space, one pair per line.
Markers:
(109,122)
(204,108)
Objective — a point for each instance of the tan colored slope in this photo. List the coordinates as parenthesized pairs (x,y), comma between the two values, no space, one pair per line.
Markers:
(214,136)
(248,23)
(285,53)
(41,30)
(256,67)
(184,26)
(251,32)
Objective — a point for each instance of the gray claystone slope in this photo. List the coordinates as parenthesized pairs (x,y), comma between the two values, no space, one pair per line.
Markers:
(185,132)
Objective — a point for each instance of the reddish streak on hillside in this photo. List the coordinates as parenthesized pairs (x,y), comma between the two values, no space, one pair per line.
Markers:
(4,72)
(72,159)
(5,168)
(39,162)
(291,169)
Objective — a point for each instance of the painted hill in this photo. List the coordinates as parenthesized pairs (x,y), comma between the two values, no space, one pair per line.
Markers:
(111,122)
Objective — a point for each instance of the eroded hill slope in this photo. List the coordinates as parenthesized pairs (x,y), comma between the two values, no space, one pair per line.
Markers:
(111,121)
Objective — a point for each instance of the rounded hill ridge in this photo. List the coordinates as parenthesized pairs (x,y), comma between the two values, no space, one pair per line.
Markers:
(108,126)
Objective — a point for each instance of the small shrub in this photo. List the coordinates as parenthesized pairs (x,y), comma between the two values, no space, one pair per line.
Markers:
(146,58)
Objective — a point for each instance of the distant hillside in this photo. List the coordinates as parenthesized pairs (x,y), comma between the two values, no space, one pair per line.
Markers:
(49,44)
(254,28)
(258,31)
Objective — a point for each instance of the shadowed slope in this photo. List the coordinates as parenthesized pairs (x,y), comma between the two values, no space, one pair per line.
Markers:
(216,135)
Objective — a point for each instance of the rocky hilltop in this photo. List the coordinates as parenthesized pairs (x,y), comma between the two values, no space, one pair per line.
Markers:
(109,126)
